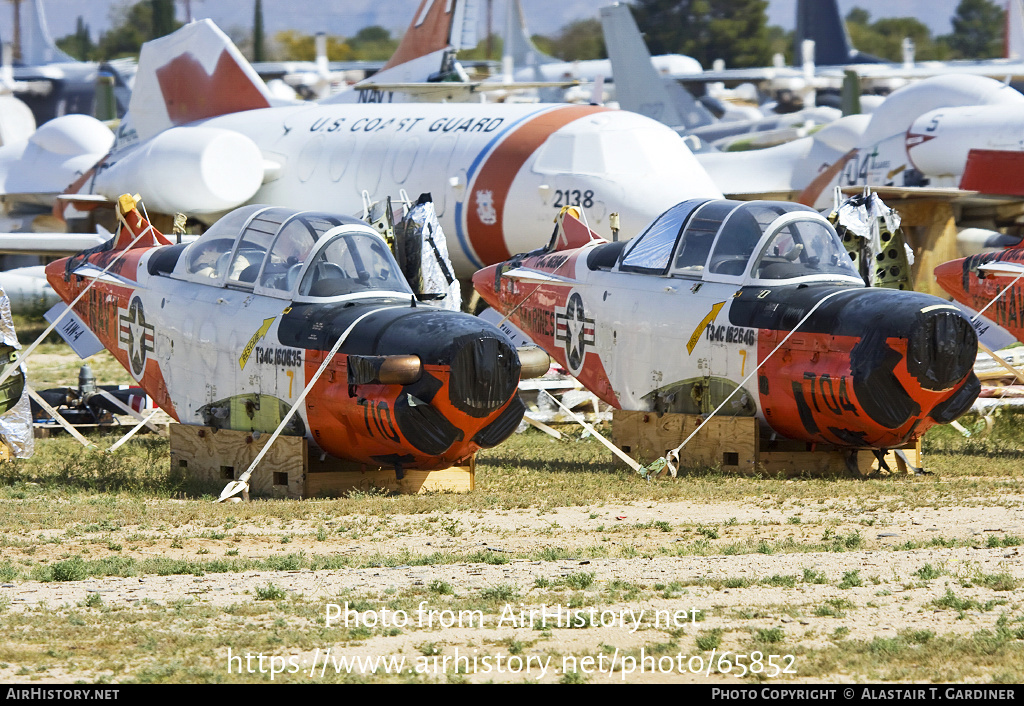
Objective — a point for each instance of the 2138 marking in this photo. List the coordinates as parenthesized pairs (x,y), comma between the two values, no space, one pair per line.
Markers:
(574,197)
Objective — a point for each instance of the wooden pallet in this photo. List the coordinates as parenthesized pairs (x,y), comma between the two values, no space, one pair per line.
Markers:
(734,444)
(289,470)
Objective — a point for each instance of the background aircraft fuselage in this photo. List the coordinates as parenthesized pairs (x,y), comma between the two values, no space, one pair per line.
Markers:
(498,173)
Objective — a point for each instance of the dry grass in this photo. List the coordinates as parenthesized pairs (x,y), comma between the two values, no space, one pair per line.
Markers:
(885,579)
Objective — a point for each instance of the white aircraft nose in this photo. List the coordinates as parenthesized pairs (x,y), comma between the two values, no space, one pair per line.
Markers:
(607,162)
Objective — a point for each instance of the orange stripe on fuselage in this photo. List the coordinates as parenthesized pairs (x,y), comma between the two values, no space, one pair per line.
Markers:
(498,172)
(813,190)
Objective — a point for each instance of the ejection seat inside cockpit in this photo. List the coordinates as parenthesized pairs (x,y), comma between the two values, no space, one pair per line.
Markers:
(733,242)
(287,254)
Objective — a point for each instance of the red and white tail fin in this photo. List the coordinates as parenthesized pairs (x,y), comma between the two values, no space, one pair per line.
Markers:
(571,232)
(133,229)
(191,74)
(437,26)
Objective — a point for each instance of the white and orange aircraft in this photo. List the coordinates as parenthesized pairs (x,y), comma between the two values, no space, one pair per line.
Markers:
(743,309)
(228,330)
(203,136)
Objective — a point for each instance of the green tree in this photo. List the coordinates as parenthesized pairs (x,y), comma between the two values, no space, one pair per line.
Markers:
(859,16)
(479,52)
(134,25)
(884,38)
(373,44)
(579,41)
(733,30)
(78,45)
(163,18)
(296,46)
(977,30)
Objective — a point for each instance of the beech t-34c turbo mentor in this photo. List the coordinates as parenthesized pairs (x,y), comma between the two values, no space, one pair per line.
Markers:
(227,331)
(679,317)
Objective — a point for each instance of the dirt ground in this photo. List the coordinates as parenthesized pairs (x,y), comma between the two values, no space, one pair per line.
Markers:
(886,585)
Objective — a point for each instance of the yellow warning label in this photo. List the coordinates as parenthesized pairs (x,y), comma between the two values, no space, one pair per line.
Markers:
(244,358)
(710,318)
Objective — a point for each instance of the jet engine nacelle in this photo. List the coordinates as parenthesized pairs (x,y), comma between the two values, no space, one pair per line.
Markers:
(195,170)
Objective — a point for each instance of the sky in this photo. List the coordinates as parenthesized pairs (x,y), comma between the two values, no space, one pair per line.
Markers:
(346,17)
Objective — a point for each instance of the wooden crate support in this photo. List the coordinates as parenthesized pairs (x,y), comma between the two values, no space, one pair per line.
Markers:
(289,470)
(734,445)
(930,229)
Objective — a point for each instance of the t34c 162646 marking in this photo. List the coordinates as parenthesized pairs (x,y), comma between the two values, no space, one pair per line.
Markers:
(680,317)
(227,330)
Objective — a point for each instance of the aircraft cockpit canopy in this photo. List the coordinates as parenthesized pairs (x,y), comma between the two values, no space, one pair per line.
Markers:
(290,254)
(739,241)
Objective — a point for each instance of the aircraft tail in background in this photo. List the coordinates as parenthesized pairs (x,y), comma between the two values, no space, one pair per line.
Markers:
(638,86)
(518,45)
(819,20)
(192,74)
(438,27)
(423,67)
(37,46)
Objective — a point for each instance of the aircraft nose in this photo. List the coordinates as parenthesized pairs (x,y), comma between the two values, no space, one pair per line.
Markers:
(940,348)
(952,276)
(484,375)
(478,401)
(871,367)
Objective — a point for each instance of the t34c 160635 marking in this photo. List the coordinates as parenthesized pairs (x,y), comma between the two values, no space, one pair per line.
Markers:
(680,317)
(227,330)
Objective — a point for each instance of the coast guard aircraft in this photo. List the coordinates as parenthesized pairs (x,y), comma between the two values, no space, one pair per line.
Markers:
(203,136)
(228,330)
(686,317)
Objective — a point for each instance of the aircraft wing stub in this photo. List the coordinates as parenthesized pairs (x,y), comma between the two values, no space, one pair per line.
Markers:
(528,276)
(97,199)
(90,271)
(914,192)
(1002,269)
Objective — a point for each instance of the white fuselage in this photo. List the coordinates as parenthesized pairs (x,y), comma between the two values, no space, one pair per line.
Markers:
(498,174)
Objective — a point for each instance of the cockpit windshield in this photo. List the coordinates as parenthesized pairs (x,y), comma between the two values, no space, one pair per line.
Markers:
(352,263)
(801,248)
(265,249)
(292,245)
(744,226)
(206,260)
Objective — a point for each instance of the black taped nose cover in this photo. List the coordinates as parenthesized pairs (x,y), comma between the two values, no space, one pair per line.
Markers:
(484,375)
(941,349)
